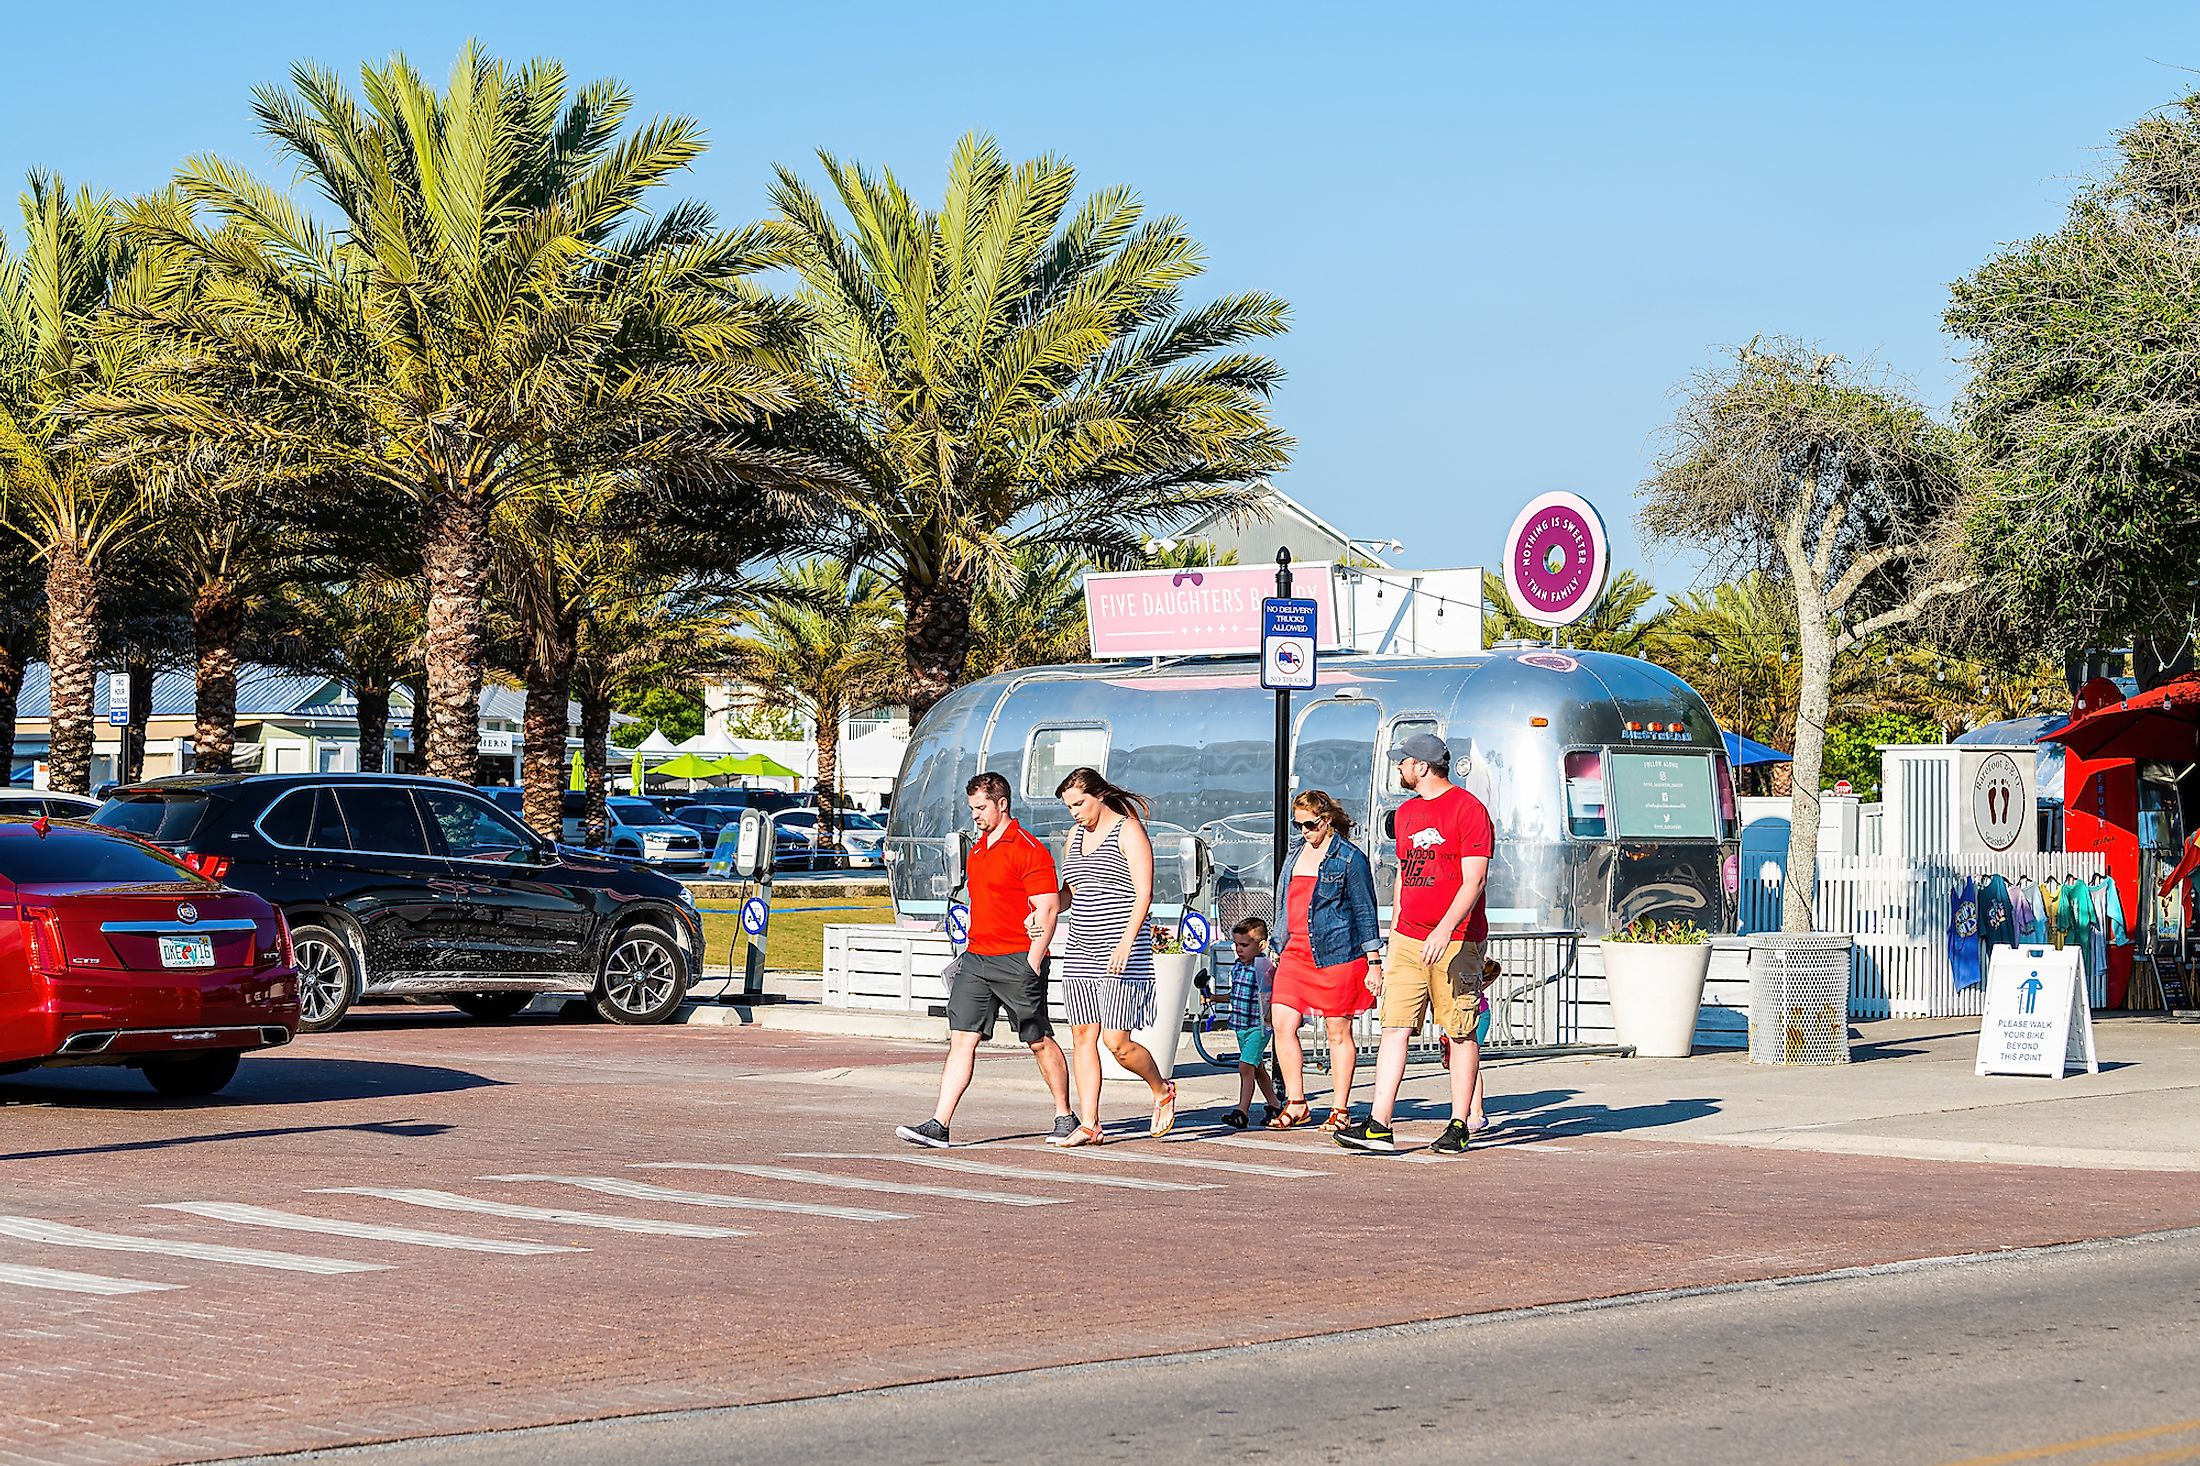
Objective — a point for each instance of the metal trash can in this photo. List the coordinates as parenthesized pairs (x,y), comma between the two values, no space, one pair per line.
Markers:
(1799,998)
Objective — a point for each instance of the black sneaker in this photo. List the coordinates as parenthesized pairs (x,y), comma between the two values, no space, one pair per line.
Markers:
(1369,1134)
(1235,1119)
(1454,1140)
(1064,1127)
(931,1133)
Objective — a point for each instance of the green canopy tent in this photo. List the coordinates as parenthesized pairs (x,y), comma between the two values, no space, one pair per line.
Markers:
(753,766)
(687,766)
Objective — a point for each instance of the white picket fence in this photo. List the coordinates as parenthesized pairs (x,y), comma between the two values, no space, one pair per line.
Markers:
(1898,913)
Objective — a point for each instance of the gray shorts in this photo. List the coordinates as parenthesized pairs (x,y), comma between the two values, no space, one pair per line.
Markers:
(980,986)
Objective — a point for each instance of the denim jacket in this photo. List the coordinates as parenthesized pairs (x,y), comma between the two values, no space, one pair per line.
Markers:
(1342,916)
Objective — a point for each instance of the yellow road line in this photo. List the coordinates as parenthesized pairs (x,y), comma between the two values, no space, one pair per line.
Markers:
(2094,1443)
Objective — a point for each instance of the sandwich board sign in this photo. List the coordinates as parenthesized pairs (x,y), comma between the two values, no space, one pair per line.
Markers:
(2037,1018)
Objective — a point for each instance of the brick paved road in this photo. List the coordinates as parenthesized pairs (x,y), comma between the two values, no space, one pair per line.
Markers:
(428,1208)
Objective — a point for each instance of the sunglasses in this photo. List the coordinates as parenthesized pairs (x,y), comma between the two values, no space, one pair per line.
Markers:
(1308,825)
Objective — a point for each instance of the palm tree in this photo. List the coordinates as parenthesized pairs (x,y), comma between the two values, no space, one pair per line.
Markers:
(364,631)
(1614,623)
(75,509)
(22,631)
(1034,616)
(824,643)
(1004,371)
(491,310)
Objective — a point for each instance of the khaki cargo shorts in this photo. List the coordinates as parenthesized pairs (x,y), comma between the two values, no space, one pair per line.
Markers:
(1453,988)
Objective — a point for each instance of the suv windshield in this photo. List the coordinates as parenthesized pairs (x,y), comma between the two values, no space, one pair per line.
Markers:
(163,816)
(635,811)
(65,855)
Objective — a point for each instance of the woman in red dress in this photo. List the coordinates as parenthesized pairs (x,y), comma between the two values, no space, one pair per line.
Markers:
(1332,946)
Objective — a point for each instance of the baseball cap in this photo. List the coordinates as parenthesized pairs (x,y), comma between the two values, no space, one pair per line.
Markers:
(1426,747)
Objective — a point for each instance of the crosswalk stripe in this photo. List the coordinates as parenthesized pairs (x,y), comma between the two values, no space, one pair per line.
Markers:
(855,1183)
(62,1281)
(61,1234)
(643,1191)
(261,1216)
(1246,1142)
(1144,1156)
(1016,1173)
(452,1201)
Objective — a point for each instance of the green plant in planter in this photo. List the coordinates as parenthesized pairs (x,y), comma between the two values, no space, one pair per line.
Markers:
(1650,930)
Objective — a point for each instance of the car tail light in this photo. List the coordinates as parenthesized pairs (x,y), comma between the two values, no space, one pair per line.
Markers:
(213,867)
(284,955)
(42,939)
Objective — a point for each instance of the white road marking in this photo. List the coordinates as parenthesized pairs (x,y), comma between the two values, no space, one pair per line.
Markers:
(855,1183)
(261,1216)
(68,1282)
(61,1234)
(452,1201)
(1144,1156)
(1314,1144)
(642,1191)
(1016,1173)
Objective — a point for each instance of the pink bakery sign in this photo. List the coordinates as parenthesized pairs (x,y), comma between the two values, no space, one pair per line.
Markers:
(1211,611)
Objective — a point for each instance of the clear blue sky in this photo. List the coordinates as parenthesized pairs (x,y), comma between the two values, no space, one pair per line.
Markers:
(1506,232)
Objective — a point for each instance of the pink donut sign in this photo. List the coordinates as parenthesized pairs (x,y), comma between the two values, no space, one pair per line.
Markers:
(1556,559)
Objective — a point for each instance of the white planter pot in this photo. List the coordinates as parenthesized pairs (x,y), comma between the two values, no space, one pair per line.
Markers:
(1172,988)
(1656,990)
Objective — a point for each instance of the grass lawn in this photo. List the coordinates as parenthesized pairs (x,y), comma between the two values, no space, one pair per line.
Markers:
(797,930)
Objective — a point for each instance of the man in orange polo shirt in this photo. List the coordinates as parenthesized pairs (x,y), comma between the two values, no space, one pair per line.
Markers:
(1012,881)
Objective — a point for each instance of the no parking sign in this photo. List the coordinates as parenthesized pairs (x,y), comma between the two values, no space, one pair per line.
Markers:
(958,925)
(756,914)
(1194,932)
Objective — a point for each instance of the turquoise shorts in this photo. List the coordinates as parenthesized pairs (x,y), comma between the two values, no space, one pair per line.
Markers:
(1252,1045)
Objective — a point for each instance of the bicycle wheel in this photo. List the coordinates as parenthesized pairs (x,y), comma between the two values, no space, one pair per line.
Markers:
(1215,1040)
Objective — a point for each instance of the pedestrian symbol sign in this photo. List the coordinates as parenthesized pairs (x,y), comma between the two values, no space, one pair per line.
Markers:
(1288,629)
(2038,1019)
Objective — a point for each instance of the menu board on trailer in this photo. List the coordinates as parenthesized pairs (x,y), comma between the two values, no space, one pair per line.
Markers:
(2169,975)
(1662,795)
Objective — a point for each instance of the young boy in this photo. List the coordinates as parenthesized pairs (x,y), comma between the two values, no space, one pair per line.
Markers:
(1252,977)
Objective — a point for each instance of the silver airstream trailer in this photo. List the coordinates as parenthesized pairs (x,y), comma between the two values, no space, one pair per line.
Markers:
(1605,776)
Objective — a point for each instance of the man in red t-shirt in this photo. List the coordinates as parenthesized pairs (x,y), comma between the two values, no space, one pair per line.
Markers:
(1439,938)
(1012,880)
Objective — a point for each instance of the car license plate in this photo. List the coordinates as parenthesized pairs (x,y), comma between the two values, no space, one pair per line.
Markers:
(187,951)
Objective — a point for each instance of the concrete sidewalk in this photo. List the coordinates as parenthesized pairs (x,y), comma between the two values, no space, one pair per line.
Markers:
(1909,1091)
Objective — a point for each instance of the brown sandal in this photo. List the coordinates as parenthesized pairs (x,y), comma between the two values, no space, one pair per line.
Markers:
(1295,1112)
(1337,1120)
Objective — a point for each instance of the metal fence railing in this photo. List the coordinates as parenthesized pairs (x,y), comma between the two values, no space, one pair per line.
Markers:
(1535,1005)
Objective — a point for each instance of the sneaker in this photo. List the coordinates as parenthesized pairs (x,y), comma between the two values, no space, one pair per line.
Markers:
(1369,1134)
(931,1133)
(1454,1140)
(1064,1127)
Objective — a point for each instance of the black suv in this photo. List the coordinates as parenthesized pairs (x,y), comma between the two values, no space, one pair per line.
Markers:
(411,887)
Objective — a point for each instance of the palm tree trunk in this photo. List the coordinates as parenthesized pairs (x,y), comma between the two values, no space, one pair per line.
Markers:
(828,775)
(595,734)
(457,565)
(373,701)
(542,763)
(14,652)
(217,625)
(137,712)
(936,639)
(416,688)
(72,637)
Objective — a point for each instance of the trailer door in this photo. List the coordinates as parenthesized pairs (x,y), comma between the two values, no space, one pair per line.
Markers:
(1334,750)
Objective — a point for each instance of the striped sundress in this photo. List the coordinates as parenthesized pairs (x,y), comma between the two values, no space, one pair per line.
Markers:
(1100,908)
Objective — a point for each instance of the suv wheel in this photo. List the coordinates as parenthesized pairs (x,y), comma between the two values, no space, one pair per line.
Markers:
(193,1077)
(644,977)
(328,978)
(491,1007)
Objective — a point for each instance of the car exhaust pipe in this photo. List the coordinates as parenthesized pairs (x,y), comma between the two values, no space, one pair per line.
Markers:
(86,1043)
(273,1034)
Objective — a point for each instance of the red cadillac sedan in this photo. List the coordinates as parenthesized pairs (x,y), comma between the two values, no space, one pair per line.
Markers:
(113,953)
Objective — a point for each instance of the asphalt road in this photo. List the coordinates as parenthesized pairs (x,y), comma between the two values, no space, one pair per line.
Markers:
(2077,1355)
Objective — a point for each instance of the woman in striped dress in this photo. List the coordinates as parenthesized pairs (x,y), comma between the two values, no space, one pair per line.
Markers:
(1107,889)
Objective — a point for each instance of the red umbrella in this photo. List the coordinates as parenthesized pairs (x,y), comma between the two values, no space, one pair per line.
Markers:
(2162,723)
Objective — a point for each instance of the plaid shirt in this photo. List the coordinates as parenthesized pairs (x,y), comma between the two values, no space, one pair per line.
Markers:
(1250,986)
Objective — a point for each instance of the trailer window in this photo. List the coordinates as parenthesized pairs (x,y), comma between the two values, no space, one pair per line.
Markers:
(1662,796)
(1400,731)
(1585,807)
(1054,752)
